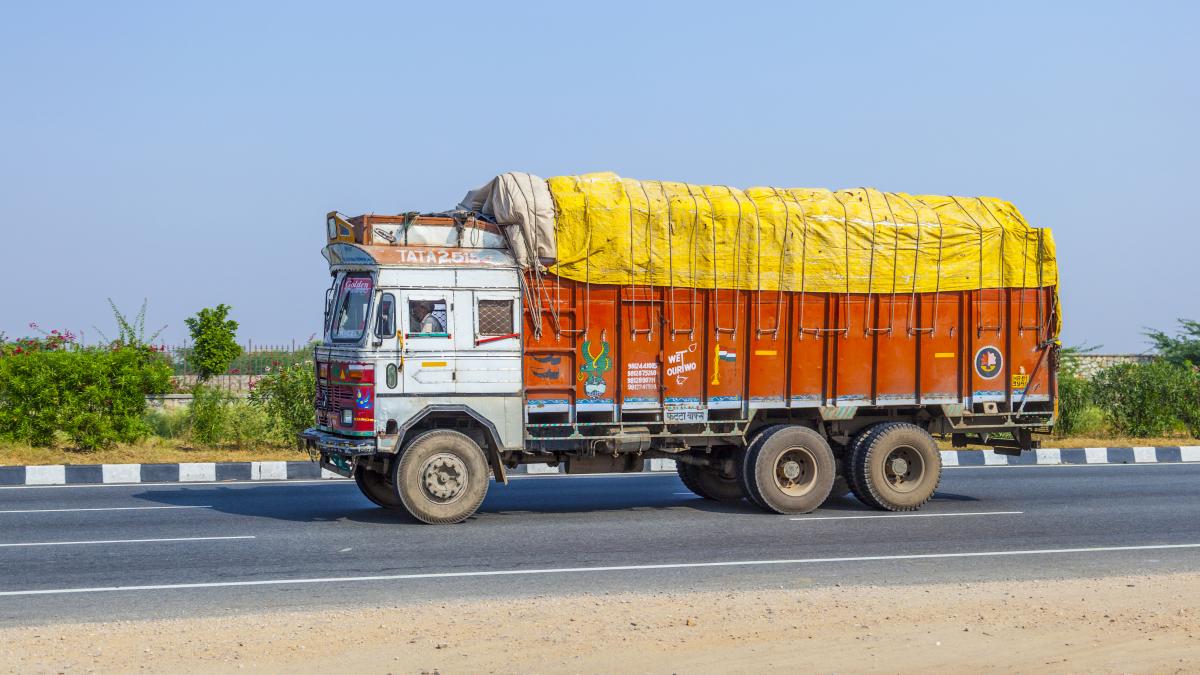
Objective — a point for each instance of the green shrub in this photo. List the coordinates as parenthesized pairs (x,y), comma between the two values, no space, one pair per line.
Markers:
(1149,399)
(286,394)
(206,414)
(168,423)
(214,345)
(216,417)
(1078,412)
(94,397)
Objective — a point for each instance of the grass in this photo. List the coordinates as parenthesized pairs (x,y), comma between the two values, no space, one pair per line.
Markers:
(151,451)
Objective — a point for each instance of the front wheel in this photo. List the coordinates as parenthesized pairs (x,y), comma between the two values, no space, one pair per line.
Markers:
(441,477)
(375,487)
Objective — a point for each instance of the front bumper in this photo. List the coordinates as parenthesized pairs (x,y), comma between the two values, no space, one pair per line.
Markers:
(333,444)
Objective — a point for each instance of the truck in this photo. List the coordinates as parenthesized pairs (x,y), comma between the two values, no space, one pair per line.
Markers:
(775,352)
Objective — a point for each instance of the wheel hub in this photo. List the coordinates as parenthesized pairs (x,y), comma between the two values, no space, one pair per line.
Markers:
(791,470)
(795,471)
(904,469)
(444,478)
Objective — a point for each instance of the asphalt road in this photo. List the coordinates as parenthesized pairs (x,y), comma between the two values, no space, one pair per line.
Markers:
(72,553)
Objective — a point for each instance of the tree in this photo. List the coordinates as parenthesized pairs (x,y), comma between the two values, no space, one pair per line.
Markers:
(213,343)
(1183,348)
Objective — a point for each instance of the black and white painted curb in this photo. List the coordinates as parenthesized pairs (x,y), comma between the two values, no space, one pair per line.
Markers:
(209,472)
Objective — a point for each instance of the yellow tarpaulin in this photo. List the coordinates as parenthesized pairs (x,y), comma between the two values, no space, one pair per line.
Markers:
(613,230)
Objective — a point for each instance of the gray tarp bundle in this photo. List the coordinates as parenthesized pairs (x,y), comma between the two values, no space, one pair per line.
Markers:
(522,205)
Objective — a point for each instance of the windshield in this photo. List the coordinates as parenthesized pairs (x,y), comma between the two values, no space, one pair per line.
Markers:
(353,304)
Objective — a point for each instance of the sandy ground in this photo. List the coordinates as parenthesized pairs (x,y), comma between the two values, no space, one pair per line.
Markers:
(1118,625)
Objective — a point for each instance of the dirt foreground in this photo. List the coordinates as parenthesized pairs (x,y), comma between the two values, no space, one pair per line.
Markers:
(1118,625)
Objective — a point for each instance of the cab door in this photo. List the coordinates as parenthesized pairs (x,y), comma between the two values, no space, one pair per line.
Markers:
(427,326)
(386,340)
(487,341)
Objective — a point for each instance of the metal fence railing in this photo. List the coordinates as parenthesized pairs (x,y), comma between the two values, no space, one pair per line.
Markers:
(255,361)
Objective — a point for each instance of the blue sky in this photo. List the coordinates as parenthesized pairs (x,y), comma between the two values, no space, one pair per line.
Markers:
(187,153)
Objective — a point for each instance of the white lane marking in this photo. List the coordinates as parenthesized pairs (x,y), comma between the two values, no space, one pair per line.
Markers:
(106,508)
(121,541)
(608,568)
(911,515)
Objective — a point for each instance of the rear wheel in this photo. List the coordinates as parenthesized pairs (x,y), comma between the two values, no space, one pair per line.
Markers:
(788,469)
(897,467)
(374,486)
(441,477)
(709,483)
(847,473)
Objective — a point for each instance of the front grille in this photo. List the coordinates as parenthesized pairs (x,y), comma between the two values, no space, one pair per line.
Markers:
(333,398)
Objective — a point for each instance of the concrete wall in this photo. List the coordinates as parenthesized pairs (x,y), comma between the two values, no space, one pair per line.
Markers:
(1090,364)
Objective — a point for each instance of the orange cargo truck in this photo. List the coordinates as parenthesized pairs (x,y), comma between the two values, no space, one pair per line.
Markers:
(778,345)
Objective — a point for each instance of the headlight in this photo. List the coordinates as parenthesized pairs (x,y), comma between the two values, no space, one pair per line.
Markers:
(347,417)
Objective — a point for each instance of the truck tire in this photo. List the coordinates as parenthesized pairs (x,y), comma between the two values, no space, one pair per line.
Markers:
(897,467)
(375,487)
(709,484)
(848,473)
(441,477)
(788,469)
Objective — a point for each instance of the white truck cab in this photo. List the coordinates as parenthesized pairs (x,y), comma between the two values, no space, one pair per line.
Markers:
(422,333)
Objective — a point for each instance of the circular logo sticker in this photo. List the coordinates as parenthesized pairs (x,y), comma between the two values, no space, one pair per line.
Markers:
(988,362)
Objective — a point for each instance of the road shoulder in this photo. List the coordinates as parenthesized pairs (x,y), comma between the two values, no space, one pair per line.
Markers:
(1115,624)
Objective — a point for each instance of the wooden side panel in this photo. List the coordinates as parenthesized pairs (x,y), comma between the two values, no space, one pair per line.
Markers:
(854,353)
(686,352)
(938,317)
(895,351)
(551,360)
(724,356)
(683,351)
(768,349)
(599,355)
(810,340)
(639,369)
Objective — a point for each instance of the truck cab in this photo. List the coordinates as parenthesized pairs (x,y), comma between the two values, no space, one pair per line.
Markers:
(421,334)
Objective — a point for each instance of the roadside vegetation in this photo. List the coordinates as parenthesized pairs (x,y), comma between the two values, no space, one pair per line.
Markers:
(63,403)
(1158,399)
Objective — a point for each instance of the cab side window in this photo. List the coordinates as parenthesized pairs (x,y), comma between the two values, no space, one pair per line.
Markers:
(428,318)
(385,322)
(495,318)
